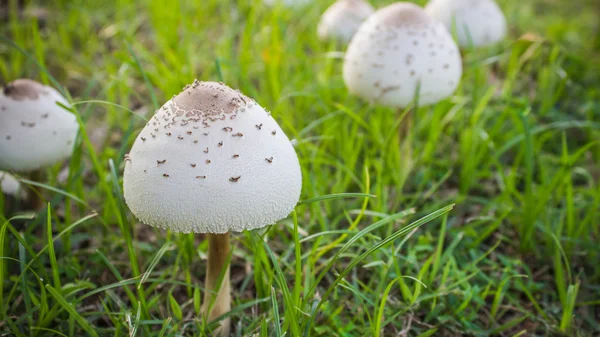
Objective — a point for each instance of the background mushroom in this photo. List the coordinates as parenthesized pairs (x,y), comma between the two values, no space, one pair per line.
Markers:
(478,23)
(211,160)
(11,190)
(398,56)
(9,185)
(35,131)
(397,50)
(342,19)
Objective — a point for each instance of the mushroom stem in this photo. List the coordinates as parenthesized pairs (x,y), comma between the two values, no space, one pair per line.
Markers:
(405,133)
(7,202)
(405,142)
(217,300)
(34,199)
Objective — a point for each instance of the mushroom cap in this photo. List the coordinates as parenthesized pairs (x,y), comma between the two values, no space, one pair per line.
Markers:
(398,50)
(478,22)
(211,160)
(9,185)
(34,130)
(342,19)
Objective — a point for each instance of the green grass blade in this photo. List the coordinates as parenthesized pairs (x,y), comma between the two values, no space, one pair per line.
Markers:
(71,310)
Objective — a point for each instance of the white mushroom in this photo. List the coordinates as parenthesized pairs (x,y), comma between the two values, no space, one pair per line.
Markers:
(342,19)
(34,131)
(478,23)
(211,160)
(398,50)
(9,185)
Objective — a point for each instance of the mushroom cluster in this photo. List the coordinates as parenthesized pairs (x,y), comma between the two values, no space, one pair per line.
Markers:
(211,160)
(400,52)
(342,19)
(478,23)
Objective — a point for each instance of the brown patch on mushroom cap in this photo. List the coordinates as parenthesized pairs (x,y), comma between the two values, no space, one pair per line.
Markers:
(403,13)
(204,99)
(22,89)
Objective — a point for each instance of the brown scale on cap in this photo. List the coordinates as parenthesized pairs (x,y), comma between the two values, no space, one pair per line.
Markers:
(22,89)
(209,99)
(389,89)
(403,14)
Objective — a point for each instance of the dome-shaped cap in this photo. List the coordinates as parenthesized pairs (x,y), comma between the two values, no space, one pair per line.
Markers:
(397,50)
(34,130)
(342,19)
(211,160)
(478,22)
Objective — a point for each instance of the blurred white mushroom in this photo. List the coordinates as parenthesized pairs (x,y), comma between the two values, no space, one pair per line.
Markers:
(478,23)
(10,185)
(211,160)
(35,131)
(342,19)
(398,50)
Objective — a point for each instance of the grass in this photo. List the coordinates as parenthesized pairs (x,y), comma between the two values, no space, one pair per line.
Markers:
(492,232)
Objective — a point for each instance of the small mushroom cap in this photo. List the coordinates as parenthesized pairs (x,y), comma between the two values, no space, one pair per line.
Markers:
(211,160)
(342,19)
(478,22)
(34,130)
(398,50)
(10,185)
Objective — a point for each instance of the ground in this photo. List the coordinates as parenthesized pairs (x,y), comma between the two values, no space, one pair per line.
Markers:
(503,179)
